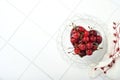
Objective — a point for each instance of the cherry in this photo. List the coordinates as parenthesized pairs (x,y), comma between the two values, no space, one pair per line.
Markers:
(76,35)
(80,29)
(89,45)
(85,39)
(82,46)
(73,40)
(99,39)
(93,38)
(73,31)
(82,53)
(77,50)
(89,52)
(86,33)
(93,32)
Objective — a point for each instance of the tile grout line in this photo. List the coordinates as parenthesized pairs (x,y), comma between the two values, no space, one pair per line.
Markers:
(30,64)
(66,71)
(21,12)
(32,61)
(19,24)
(15,7)
(61,2)
(24,19)
(28,60)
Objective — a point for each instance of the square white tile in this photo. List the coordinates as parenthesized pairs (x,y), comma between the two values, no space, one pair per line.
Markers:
(51,61)
(50,15)
(10,19)
(34,73)
(12,64)
(29,39)
(25,6)
(76,73)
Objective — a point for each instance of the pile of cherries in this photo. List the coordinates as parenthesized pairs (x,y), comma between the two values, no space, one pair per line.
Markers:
(84,42)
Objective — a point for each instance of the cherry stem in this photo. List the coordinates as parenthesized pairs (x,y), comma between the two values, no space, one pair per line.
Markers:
(99,48)
(90,27)
(70,48)
(70,51)
(73,25)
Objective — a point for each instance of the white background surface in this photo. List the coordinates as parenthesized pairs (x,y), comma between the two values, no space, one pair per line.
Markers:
(28,31)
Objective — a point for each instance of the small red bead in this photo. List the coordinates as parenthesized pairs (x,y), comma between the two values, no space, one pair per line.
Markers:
(95,68)
(114,27)
(110,56)
(102,68)
(105,72)
(117,49)
(115,41)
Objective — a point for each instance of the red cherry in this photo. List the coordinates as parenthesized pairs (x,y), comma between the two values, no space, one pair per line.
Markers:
(80,29)
(99,39)
(92,38)
(89,52)
(77,50)
(82,46)
(82,53)
(86,33)
(76,35)
(73,40)
(93,32)
(89,45)
(73,31)
(85,39)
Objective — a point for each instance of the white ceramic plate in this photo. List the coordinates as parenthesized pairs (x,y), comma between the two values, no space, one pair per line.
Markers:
(64,40)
